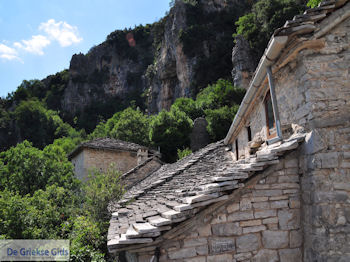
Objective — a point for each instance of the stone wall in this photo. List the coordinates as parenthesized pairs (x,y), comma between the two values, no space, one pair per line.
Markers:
(313,93)
(102,160)
(141,171)
(78,163)
(261,222)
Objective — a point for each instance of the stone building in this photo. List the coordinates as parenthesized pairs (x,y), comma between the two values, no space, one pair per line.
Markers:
(101,153)
(278,187)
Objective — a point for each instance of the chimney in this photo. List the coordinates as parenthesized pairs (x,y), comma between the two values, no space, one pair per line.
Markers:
(199,136)
(142,155)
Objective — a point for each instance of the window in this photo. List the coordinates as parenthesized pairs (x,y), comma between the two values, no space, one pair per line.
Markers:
(270,119)
(249,133)
(237,154)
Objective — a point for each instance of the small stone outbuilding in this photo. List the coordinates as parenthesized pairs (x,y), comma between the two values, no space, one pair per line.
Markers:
(101,153)
(278,187)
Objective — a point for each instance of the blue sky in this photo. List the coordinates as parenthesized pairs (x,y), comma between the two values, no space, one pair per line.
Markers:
(39,37)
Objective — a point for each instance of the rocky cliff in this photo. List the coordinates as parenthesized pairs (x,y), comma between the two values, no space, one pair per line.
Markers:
(155,64)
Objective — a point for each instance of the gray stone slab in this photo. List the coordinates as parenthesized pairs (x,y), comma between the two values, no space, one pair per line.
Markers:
(158,221)
(200,198)
(143,228)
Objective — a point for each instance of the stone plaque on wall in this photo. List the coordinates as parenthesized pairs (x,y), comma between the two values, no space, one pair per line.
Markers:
(221,245)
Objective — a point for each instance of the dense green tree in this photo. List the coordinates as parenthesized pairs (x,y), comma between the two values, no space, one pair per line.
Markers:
(87,240)
(99,190)
(132,126)
(220,94)
(39,216)
(265,17)
(13,207)
(189,106)
(25,169)
(27,90)
(39,125)
(170,131)
(219,121)
(56,84)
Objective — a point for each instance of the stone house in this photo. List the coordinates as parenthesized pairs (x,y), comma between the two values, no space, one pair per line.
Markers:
(278,187)
(101,153)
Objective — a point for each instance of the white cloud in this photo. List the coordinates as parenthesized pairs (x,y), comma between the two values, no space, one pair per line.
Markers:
(61,31)
(34,45)
(8,53)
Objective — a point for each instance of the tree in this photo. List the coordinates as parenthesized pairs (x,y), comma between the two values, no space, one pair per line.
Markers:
(25,169)
(189,106)
(35,217)
(170,131)
(265,17)
(39,125)
(132,126)
(99,190)
(220,94)
(219,121)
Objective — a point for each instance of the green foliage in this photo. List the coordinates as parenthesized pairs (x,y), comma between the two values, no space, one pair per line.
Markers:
(189,106)
(132,126)
(28,89)
(220,94)
(169,131)
(39,216)
(12,209)
(219,121)
(182,153)
(89,229)
(25,169)
(99,190)
(39,125)
(56,84)
(265,17)
(87,240)
(39,199)
(313,3)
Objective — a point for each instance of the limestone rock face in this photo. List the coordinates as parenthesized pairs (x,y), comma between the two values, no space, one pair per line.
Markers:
(244,62)
(102,74)
(173,70)
(157,64)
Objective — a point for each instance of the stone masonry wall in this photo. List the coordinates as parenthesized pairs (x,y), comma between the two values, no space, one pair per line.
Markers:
(262,224)
(102,159)
(78,163)
(141,171)
(313,92)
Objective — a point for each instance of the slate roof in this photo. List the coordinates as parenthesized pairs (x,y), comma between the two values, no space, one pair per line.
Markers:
(107,144)
(178,191)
